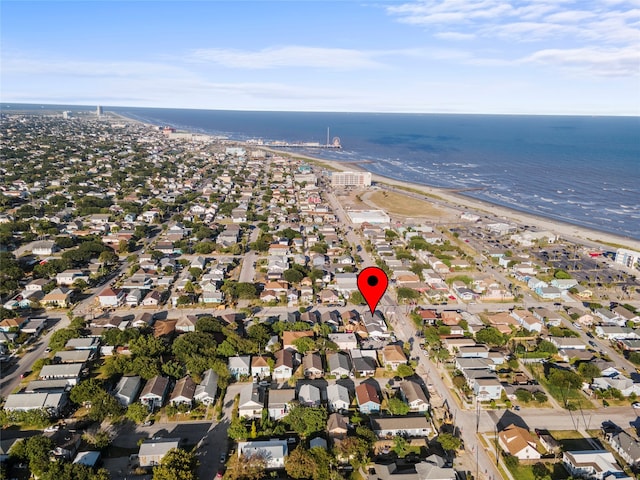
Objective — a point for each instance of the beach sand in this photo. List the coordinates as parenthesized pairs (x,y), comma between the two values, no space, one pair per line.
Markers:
(573,233)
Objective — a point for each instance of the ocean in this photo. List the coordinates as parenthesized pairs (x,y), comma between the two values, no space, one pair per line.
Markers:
(578,169)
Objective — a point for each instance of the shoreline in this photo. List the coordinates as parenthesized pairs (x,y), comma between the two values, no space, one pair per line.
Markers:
(567,231)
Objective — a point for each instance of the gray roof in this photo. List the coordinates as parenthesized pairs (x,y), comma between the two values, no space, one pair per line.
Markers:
(208,387)
(156,386)
(69,370)
(127,389)
(336,392)
(339,360)
(413,391)
(309,394)
(73,356)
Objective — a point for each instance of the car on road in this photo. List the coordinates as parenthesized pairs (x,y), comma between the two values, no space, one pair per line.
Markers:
(148,423)
(636,405)
(25,374)
(52,428)
(223,457)
(220,474)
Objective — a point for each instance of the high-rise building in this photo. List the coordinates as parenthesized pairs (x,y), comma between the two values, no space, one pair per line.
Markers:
(351,179)
(98,110)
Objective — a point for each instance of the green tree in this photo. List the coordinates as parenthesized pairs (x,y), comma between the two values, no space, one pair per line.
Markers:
(405,294)
(397,407)
(405,370)
(449,442)
(147,346)
(300,464)
(246,468)
(177,464)
(588,371)
(293,275)
(306,420)
(237,430)
(355,450)
(356,298)
(547,347)
(491,336)
(400,446)
(304,344)
(523,395)
(137,412)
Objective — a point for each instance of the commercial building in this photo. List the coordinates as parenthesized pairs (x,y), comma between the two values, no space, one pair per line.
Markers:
(351,179)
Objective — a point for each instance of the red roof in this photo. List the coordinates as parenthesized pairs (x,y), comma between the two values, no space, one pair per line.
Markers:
(365,392)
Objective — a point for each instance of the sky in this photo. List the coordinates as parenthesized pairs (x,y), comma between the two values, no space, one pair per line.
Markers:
(433,56)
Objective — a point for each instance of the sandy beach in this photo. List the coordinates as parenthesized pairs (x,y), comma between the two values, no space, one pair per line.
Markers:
(573,233)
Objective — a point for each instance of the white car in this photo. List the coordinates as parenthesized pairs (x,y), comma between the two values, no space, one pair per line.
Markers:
(636,405)
(52,428)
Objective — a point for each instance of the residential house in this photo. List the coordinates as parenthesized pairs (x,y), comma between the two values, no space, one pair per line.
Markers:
(52,402)
(259,367)
(279,402)
(127,390)
(309,395)
(183,392)
(364,362)
(344,341)
(312,365)
(593,464)
(337,426)
(58,297)
(273,451)
(206,391)
(65,443)
(283,369)
(338,397)
(401,426)
(67,371)
(186,323)
(240,366)
(153,450)
(517,441)
(393,356)
(488,388)
(154,392)
(367,398)
(111,297)
(417,471)
(414,395)
(626,446)
(251,402)
(339,364)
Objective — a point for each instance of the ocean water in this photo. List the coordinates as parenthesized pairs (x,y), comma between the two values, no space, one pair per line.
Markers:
(578,169)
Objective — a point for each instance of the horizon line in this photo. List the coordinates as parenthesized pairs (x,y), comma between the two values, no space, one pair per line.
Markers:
(7,105)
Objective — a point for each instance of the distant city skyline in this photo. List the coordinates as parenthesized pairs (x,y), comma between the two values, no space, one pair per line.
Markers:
(449,56)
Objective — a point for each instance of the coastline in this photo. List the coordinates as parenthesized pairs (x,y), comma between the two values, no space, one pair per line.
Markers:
(574,233)
(567,231)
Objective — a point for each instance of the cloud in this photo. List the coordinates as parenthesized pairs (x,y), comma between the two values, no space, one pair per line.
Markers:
(454,36)
(598,61)
(288,56)
(15,64)
(546,20)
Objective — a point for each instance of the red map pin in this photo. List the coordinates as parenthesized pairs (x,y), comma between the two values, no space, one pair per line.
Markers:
(372,283)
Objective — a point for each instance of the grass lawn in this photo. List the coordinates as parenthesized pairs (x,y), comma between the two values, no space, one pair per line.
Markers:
(398,204)
(571,397)
(525,472)
(571,440)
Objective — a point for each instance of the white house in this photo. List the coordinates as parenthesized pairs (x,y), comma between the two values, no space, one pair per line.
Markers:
(337,397)
(593,464)
(517,441)
(273,451)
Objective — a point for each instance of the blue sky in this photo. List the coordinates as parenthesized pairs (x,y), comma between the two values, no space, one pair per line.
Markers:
(456,56)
